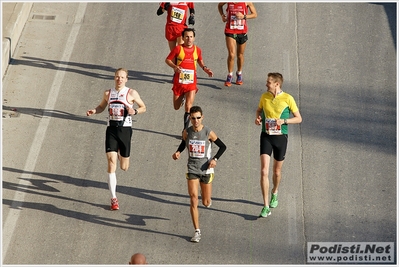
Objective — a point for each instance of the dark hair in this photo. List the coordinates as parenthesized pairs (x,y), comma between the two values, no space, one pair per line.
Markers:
(195,109)
(188,30)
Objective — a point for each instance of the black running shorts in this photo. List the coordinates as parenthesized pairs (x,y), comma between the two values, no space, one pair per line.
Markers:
(274,143)
(118,139)
(240,38)
(204,178)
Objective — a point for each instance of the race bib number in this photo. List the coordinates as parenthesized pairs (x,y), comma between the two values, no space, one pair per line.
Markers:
(128,120)
(116,112)
(272,128)
(197,148)
(186,76)
(236,24)
(177,14)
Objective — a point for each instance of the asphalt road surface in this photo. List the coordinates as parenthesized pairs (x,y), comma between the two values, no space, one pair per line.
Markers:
(339,177)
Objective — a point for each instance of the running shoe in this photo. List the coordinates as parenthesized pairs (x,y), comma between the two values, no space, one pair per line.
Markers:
(183,101)
(197,237)
(114,204)
(239,79)
(228,80)
(210,203)
(265,212)
(274,201)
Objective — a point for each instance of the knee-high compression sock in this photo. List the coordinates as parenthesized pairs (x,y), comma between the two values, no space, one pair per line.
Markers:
(186,120)
(112,184)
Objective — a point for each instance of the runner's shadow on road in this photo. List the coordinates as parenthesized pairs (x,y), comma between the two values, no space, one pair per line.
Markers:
(155,132)
(104,72)
(247,217)
(90,218)
(40,113)
(42,187)
(140,220)
(100,71)
(59,114)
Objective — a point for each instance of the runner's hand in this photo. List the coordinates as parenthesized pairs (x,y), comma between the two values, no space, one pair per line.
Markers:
(176,155)
(209,72)
(130,111)
(258,120)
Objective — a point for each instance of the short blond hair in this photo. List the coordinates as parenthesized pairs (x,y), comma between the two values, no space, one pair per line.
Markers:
(122,69)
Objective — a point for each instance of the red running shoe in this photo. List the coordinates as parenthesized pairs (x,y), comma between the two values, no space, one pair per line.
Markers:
(114,204)
(228,81)
(239,79)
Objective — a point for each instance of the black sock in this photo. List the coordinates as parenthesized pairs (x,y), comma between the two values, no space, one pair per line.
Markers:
(186,120)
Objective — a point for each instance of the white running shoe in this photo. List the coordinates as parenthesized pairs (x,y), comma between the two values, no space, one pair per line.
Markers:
(210,204)
(183,101)
(197,237)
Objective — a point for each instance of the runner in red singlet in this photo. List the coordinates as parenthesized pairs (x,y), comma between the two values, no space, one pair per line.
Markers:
(183,59)
(176,20)
(236,35)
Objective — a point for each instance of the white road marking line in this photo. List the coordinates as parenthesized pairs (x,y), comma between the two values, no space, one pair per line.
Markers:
(292,232)
(17,203)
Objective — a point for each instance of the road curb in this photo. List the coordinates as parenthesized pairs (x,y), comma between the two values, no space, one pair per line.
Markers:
(19,14)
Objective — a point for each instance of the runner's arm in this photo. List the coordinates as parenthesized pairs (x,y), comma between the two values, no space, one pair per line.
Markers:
(219,143)
(136,98)
(162,8)
(251,8)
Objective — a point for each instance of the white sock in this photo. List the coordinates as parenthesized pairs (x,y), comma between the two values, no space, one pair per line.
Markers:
(239,72)
(198,230)
(112,184)
(230,73)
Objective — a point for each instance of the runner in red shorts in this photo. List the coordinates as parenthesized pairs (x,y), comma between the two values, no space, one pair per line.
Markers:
(176,20)
(183,59)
